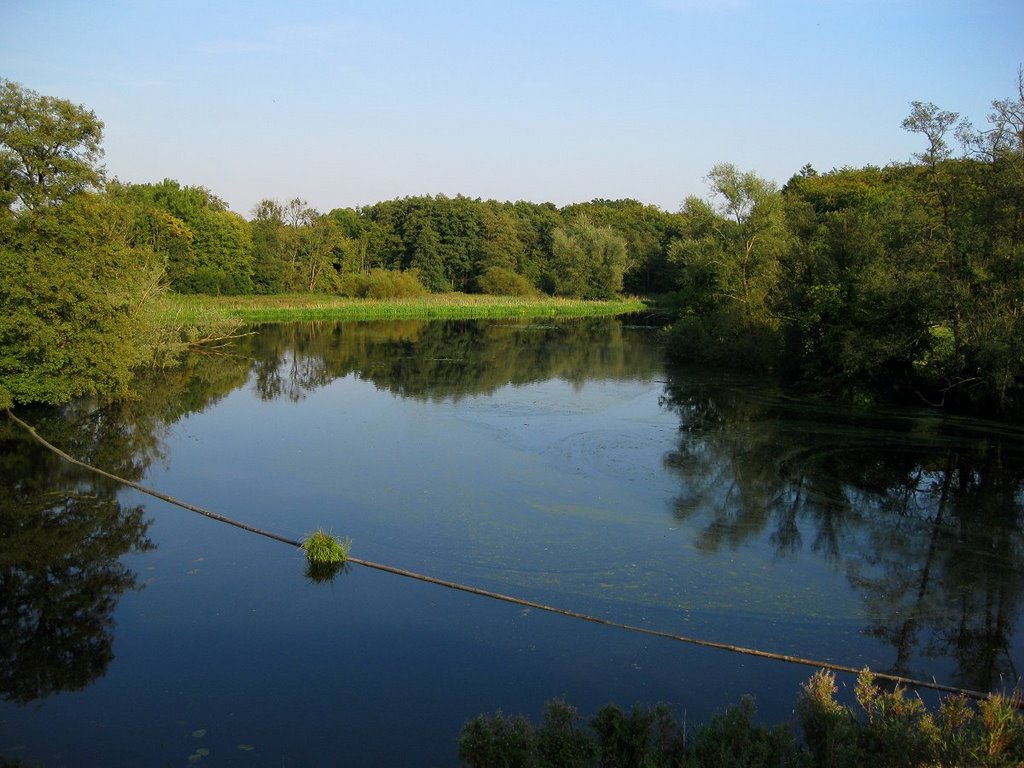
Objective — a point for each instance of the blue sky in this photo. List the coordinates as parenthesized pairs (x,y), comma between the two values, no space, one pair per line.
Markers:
(347,103)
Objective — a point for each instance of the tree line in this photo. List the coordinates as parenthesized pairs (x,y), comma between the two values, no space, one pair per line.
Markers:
(439,243)
(899,282)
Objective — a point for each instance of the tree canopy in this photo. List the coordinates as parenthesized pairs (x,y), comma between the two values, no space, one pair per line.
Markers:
(49,148)
(76,293)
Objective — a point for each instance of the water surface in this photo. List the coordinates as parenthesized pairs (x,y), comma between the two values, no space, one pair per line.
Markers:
(560,462)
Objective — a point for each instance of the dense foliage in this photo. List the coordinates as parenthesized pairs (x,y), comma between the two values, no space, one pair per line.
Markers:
(885,728)
(76,290)
(904,282)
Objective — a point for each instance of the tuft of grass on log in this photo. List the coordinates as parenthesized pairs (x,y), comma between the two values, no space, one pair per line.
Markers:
(324,548)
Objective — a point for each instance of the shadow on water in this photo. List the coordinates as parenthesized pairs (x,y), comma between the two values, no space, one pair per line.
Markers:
(924,514)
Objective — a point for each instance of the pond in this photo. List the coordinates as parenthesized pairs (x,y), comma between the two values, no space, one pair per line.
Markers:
(560,462)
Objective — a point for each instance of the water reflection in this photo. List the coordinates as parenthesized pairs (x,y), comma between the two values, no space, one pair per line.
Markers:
(924,515)
(442,359)
(921,515)
(63,532)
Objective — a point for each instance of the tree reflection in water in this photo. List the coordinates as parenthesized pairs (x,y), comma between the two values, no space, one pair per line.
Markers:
(435,360)
(64,530)
(63,533)
(924,515)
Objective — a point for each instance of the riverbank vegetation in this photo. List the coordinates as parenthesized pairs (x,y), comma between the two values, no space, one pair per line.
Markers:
(899,283)
(197,309)
(884,728)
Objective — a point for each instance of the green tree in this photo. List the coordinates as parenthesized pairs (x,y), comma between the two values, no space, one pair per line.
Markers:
(427,256)
(77,302)
(728,265)
(270,248)
(155,228)
(934,123)
(587,261)
(499,242)
(49,148)
(219,256)
(223,253)
(752,248)
(77,295)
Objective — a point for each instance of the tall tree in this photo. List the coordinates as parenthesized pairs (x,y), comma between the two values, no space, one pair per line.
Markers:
(76,303)
(587,261)
(77,295)
(49,148)
(934,123)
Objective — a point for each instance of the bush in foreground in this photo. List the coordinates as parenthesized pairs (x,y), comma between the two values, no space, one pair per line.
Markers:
(885,728)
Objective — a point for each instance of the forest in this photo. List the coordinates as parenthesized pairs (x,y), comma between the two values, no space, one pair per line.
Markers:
(900,283)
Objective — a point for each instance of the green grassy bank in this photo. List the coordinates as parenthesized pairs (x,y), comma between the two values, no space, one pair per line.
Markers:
(287,307)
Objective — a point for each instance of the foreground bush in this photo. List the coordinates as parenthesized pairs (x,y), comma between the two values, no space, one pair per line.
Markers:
(885,728)
(643,737)
(888,728)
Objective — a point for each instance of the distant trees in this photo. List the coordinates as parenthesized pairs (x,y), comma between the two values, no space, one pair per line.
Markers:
(207,248)
(296,248)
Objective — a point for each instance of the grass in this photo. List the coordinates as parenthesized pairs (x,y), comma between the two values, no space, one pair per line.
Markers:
(289,307)
(323,548)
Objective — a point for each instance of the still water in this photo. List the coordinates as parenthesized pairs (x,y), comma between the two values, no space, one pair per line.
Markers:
(560,462)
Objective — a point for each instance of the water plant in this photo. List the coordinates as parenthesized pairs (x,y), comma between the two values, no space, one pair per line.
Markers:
(326,555)
(325,548)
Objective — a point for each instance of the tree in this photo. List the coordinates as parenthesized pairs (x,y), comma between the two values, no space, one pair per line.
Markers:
(734,243)
(269,247)
(588,261)
(77,303)
(49,148)
(934,124)
(427,256)
(77,292)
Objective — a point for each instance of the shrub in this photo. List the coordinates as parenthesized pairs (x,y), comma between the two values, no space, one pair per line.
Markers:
(560,742)
(382,284)
(497,741)
(888,728)
(733,740)
(498,281)
(895,730)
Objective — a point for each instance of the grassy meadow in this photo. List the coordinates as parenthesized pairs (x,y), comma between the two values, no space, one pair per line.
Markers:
(195,308)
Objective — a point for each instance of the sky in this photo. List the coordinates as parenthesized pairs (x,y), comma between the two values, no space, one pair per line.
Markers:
(351,102)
